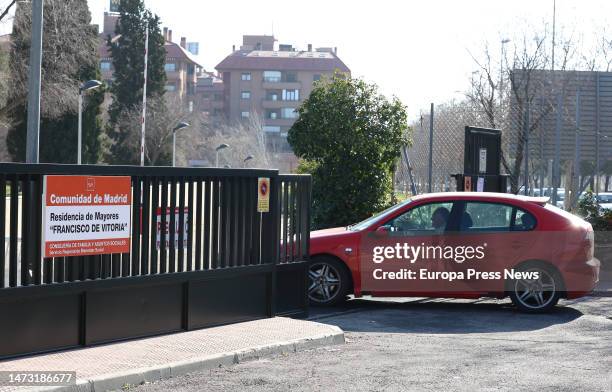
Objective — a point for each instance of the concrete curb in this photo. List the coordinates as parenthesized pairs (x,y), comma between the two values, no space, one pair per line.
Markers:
(116,381)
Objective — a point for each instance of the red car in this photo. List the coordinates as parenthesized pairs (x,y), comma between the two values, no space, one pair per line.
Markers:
(458,245)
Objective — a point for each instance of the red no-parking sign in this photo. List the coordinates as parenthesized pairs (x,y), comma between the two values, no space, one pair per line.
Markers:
(263,194)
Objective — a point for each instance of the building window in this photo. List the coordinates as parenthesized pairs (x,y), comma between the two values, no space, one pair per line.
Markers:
(105,66)
(272,128)
(291,95)
(245,114)
(170,67)
(272,76)
(272,115)
(245,95)
(246,76)
(288,113)
(316,77)
(170,87)
(290,77)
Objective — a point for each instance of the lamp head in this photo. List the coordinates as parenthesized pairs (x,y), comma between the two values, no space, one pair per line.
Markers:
(90,85)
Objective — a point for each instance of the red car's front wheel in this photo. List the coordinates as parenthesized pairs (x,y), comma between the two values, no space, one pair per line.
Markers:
(329,281)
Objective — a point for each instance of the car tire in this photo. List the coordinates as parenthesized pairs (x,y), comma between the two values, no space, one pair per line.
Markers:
(536,295)
(329,281)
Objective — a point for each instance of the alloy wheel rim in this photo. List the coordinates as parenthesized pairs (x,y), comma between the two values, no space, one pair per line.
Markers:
(324,282)
(536,293)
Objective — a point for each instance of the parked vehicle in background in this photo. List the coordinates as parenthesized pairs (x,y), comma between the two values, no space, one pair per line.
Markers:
(604,199)
(518,233)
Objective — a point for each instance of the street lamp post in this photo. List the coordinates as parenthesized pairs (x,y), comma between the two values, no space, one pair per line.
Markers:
(88,85)
(221,146)
(248,158)
(181,125)
(501,69)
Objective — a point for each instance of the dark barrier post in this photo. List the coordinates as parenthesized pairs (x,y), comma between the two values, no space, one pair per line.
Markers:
(482,162)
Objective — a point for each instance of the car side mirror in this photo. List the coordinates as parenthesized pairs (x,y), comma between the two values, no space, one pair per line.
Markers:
(382,230)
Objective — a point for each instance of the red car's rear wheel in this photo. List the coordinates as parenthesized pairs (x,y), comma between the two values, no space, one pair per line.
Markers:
(536,295)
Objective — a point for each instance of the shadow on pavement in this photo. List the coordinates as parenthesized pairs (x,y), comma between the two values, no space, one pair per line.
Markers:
(440,317)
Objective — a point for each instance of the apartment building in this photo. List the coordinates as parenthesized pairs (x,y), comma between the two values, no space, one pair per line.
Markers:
(272,82)
(210,94)
(181,67)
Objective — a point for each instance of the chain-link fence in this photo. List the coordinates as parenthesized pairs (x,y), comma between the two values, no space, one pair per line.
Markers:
(557,121)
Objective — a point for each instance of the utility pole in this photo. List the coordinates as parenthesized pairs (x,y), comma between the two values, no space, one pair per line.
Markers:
(431,123)
(34,83)
(557,158)
(597,130)
(526,130)
(144,99)
(576,190)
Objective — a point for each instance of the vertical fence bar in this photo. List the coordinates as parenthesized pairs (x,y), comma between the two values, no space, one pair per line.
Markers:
(242,221)
(59,269)
(215,229)
(225,222)
(249,221)
(25,230)
(153,266)
(13,226)
(2,229)
(292,201)
(181,225)
(257,222)
(163,228)
(199,204)
(190,220)
(172,227)
(234,215)
(96,262)
(116,265)
(298,218)
(144,219)
(136,211)
(275,225)
(285,215)
(207,211)
(37,228)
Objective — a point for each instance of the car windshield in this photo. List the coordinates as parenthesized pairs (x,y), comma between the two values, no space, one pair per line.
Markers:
(367,222)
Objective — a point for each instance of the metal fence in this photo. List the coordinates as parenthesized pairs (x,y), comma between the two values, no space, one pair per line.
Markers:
(222,267)
(558,135)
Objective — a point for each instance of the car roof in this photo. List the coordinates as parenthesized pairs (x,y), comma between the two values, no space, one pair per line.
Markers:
(482,196)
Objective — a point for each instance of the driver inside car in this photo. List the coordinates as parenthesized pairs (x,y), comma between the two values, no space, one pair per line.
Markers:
(439,219)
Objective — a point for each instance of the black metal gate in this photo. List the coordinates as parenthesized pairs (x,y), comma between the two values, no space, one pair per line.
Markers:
(236,264)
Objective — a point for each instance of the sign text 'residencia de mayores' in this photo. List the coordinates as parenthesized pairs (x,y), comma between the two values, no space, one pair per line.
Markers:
(90,199)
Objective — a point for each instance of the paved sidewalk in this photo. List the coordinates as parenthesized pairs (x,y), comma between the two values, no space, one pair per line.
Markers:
(112,366)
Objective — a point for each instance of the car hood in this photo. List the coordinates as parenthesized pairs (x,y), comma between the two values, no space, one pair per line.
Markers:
(336,231)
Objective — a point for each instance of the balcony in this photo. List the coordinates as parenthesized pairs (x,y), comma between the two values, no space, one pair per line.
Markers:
(279,84)
(281,122)
(278,104)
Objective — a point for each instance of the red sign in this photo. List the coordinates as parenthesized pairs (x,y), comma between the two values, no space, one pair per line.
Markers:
(86,215)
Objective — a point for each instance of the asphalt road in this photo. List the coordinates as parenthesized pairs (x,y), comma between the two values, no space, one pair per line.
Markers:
(435,345)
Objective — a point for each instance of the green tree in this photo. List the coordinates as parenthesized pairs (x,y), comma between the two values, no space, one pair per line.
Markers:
(127,50)
(70,56)
(349,138)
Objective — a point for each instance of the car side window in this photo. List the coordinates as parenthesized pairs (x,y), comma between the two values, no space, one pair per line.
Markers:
(424,219)
(523,221)
(486,217)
